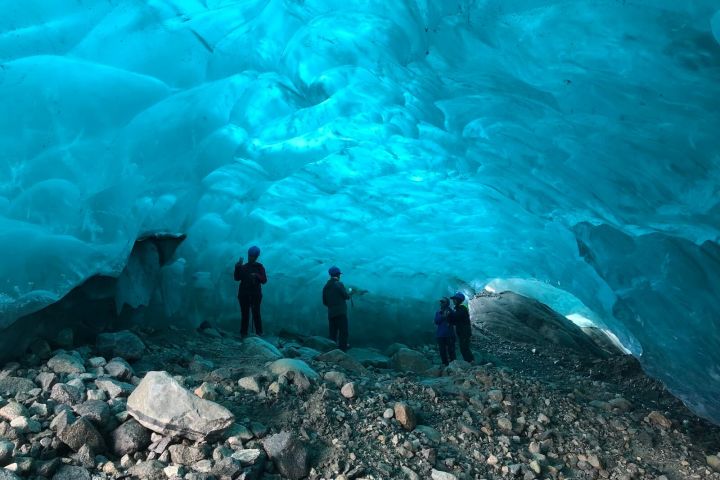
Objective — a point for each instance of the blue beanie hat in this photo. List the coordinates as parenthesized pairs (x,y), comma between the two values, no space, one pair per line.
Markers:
(254,251)
(334,271)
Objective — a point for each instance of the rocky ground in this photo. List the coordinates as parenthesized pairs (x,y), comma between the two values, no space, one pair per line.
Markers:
(294,407)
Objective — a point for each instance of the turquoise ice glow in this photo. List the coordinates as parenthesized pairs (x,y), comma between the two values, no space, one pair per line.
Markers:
(421,145)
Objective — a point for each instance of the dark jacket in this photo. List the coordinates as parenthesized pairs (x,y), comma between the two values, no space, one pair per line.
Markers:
(461,319)
(442,320)
(335,297)
(250,284)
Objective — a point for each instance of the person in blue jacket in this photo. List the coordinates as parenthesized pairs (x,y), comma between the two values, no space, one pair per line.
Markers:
(444,332)
(460,318)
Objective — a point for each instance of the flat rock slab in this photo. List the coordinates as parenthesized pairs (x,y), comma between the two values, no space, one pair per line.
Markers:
(161,404)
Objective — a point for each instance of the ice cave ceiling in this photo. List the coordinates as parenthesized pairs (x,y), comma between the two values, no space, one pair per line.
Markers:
(569,150)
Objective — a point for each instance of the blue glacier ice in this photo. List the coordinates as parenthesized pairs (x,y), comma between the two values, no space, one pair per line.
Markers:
(566,150)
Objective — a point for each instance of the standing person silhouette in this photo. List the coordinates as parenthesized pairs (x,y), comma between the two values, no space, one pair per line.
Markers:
(461,319)
(444,332)
(252,277)
(335,297)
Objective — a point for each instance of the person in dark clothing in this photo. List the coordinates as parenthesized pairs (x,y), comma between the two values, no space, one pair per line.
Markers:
(252,277)
(335,297)
(461,319)
(444,332)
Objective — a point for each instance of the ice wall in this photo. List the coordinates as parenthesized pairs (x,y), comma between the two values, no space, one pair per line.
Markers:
(421,145)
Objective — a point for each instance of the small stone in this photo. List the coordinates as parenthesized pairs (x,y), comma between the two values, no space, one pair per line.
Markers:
(174,471)
(535,467)
(120,369)
(227,468)
(96,362)
(349,390)
(13,410)
(82,432)
(388,413)
(714,462)
(14,385)
(96,411)
(130,437)
(657,418)
(65,363)
(6,451)
(67,394)
(69,472)
(248,456)
(289,455)
(46,380)
(505,424)
(149,470)
(495,396)
(114,388)
(621,404)
(337,378)
(25,425)
(186,455)
(405,415)
(249,383)
(206,391)
(203,466)
(409,473)
(440,475)
(492,460)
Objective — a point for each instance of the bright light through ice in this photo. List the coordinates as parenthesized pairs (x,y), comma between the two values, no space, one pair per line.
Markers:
(584,322)
(490,289)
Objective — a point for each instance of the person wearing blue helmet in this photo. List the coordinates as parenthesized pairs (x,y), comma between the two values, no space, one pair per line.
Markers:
(252,277)
(335,297)
(444,332)
(461,319)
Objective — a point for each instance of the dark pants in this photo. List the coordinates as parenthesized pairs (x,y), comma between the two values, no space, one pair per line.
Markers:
(464,342)
(447,349)
(339,331)
(250,302)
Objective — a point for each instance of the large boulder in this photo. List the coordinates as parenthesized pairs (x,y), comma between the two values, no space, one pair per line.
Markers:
(257,348)
(124,344)
(321,344)
(161,404)
(369,357)
(284,365)
(407,360)
(288,454)
(341,359)
(525,320)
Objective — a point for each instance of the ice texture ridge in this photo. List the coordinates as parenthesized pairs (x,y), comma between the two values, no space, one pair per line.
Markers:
(569,149)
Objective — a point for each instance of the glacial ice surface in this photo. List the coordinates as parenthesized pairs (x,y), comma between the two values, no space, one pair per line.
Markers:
(569,150)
